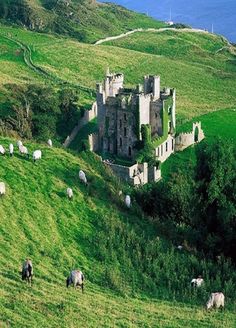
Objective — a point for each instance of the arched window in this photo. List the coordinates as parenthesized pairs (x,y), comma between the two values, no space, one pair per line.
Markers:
(125,117)
(125,132)
(120,123)
(120,142)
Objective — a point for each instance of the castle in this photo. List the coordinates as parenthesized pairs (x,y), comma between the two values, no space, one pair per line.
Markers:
(121,114)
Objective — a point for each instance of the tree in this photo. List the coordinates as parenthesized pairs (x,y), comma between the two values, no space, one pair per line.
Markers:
(216,190)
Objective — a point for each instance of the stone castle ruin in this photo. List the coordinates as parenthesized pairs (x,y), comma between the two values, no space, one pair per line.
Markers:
(121,114)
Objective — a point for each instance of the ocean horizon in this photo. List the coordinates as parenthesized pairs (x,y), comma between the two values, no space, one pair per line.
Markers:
(219,15)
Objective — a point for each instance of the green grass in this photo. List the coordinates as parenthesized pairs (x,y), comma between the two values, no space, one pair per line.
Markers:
(205,80)
(87,20)
(216,124)
(95,233)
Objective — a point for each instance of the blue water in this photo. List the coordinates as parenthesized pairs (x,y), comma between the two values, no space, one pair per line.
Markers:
(197,13)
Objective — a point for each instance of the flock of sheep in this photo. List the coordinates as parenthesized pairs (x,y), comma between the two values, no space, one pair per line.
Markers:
(76,277)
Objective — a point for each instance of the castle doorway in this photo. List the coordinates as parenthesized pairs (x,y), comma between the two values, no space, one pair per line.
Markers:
(196,134)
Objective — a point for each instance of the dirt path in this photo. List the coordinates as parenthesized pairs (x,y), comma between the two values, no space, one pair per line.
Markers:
(124,35)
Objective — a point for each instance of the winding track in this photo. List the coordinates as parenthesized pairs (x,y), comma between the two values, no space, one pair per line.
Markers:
(27,55)
(159,30)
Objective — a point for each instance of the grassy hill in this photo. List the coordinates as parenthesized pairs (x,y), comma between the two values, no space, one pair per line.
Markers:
(192,63)
(85,20)
(127,263)
(216,124)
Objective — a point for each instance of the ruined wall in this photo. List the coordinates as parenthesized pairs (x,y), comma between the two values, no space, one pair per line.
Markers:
(137,174)
(165,149)
(155,117)
(185,140)
(144,110)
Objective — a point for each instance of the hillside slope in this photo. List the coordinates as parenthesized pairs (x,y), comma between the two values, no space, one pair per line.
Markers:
(117,249)
(204,77)
(85,20)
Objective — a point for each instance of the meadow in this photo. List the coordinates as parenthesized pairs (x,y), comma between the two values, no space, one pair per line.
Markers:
(203,76)
(134,276)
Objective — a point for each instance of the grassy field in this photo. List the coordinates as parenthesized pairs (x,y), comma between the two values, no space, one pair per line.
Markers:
(95,233)
(86,21)
(204,78)
(220,124)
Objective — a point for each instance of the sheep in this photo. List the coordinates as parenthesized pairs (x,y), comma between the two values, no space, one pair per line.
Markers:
(27,271)
(2,189)
(120,193)
(23,150)
(216,300)
(69,193)
(49,142)
(2,150)
(197,282)
(11,149)
(128,201)
(19,143)
(76,278)
(37,154)
(82,177)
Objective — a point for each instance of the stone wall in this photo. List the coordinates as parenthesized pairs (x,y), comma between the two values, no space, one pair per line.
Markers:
(137,174)
(88,116)
(185,140)
(165,149)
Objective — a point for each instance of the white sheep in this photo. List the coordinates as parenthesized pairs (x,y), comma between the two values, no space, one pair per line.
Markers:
(76,278)
(120,193)
(216,300)
(23,150)
(128,201)
(11,149)
(82,177)
(19,143)
(69,193)
(2,188)
(197,282)
(2,150)
(37,154)
(49,142)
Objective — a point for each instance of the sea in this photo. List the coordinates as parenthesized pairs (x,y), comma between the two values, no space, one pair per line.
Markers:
(216,15)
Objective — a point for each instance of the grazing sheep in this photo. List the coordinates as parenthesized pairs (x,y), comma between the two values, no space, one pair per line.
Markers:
(2,188)
(76,278)
(180,247)
(216,300)
(128,201)
(24,151)
(69,193)
(11,149)
(19,143)
(82,177)
(120,192)
(49,142)
(2,150)
(27,271)
(197,282)
(37,154)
